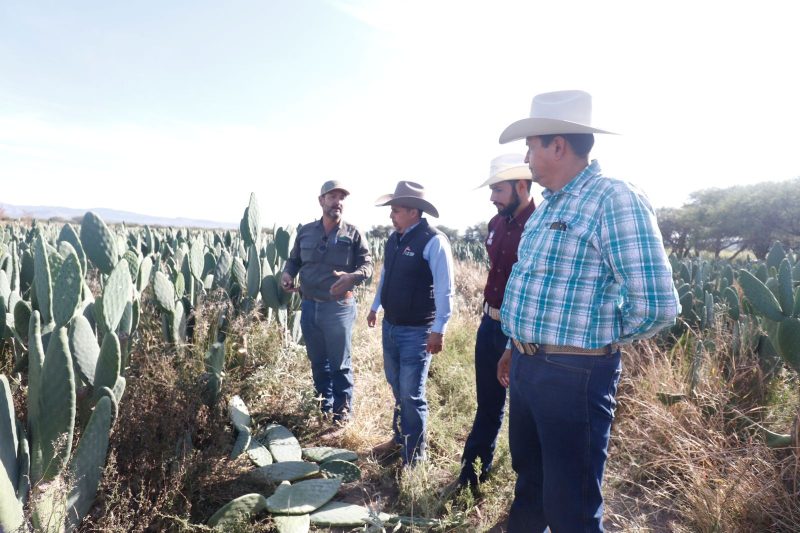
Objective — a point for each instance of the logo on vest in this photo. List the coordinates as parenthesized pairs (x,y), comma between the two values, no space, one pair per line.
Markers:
(408,252)
(489,239)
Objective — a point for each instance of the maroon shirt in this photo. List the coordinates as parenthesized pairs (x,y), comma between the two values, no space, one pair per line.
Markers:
(502,243)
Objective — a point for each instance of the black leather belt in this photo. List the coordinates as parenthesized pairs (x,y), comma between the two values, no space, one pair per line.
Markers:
(530,348)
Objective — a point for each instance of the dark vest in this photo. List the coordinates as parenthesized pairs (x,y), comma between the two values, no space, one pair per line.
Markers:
(407,291)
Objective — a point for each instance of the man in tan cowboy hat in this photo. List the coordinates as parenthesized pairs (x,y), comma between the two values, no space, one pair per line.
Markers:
(592,274)
(415,291)
(331,257)
(510,183)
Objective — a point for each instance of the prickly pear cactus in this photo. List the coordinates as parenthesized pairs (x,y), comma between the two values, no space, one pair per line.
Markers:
(302,497)
(287,471)
(238,413)
(86,466)
(84,348)
(282,444)
(116,295)
(237,510)
(164,292)
(57,406)
(67,291)
(344,470)
(42,281)
(251,222)
(99,243)
(321,454)
(258,453)
(292,523)
(343,514)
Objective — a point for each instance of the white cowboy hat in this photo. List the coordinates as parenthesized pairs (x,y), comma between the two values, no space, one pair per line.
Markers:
(555,113)
(408,194)
(507,167)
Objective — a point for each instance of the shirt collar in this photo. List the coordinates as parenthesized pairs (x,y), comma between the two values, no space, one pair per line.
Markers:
(524,214)
(406,232)
(321,224)
(577,183)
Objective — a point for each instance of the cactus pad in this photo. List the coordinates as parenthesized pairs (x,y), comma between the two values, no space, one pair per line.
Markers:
(286,471)
(344,470)
(239,509)
(292,523)
(321,454)
(238,413)
(282,444)
(302,497)
(343,514)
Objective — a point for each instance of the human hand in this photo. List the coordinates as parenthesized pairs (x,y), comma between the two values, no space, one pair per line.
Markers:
(371,318)
(287,283)
(435,342)
(343,284)
(504,368)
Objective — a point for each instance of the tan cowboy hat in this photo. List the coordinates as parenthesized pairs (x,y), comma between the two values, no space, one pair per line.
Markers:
(507,167)
(555,113)
(408,194)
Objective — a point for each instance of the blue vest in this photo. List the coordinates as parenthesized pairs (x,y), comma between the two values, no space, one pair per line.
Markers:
(407,291)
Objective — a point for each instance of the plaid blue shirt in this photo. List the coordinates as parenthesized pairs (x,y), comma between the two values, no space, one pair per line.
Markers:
(592,268)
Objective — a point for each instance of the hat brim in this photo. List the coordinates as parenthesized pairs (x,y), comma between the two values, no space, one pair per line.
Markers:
(531,127)
(407,201)
(521,172)
(345,191)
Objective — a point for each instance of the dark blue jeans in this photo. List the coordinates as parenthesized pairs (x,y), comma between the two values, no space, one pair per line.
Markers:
(327,329)
(560,413)
(405,363)
(482,440)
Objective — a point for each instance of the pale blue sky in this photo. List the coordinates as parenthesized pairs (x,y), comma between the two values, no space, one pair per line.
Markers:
(183,108)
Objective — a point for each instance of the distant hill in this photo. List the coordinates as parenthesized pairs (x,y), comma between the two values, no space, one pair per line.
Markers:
(41,212)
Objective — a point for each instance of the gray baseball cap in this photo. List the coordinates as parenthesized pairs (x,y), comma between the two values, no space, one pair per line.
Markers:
(332,185)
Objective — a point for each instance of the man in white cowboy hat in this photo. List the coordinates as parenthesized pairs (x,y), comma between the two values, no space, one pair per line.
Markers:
(510,184)
(592,274)
(331,257)
(415,291)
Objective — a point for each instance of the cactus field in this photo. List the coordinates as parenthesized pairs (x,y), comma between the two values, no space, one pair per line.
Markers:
(154,379)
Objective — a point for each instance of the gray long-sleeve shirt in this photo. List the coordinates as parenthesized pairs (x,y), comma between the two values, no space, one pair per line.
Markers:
(316,255)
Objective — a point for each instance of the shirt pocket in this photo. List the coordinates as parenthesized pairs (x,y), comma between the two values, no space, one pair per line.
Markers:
(307,249)
(573,240)
(339,254)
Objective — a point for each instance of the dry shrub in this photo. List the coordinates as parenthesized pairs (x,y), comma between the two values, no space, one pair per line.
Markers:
(680,467)
(470,279)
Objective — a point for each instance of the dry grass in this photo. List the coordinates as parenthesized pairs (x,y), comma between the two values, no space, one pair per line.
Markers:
(688,466)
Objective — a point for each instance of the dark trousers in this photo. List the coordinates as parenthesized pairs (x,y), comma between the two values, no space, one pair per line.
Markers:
(327,328)
(560,413)
(482,440)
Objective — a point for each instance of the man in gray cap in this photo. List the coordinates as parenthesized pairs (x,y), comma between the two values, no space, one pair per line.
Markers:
(415,291)
(331,257)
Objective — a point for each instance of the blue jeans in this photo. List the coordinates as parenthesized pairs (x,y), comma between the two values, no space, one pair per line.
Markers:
(406,362)
(327,329)
(560,413)
(482,440)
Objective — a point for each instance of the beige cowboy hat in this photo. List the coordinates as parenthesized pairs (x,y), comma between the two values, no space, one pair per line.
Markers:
(408,194)
(507,167)
(555,113)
